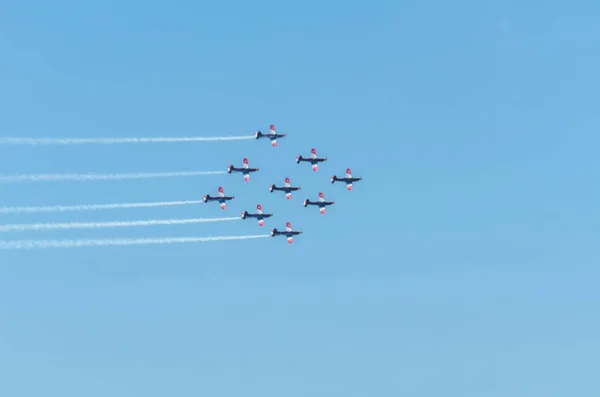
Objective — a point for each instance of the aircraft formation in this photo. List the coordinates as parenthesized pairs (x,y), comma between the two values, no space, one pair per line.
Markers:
(287,187)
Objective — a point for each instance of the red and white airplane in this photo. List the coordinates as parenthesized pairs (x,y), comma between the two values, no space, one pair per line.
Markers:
(287,188)
(244,170)
(221,198)
(259,215)
(289,233)
(321,202)
(272,135)
(313,159)
(348,179)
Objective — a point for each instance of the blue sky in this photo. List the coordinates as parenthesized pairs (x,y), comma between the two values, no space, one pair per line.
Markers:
(463,264)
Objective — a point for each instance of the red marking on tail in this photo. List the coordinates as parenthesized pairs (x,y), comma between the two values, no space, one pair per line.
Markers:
(272,127)
(220,189)
(245,161)
(348,171)
(259,207)
(321,195)
(289,224)
(313,151)
(287,180)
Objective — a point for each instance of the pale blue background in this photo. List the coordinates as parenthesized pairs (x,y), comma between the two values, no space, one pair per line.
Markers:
(465,264)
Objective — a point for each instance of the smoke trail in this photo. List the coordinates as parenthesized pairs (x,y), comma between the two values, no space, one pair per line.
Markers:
(93,207)
(97,225)
(113,141)
(101,177)
(36,244)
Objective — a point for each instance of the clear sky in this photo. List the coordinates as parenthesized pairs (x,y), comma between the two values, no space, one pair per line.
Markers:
(464,264)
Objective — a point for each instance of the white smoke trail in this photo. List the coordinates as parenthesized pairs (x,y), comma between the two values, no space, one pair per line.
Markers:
(97,225)
(113,141)
(93,207)
(102,177)
(37,244)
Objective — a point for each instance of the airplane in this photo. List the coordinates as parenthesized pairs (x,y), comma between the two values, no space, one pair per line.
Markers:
(272,135)
(221,198)
(289,233)
(244,170)
(348,179)
(314,160)
(287,188)
(321,203)
(259,215)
